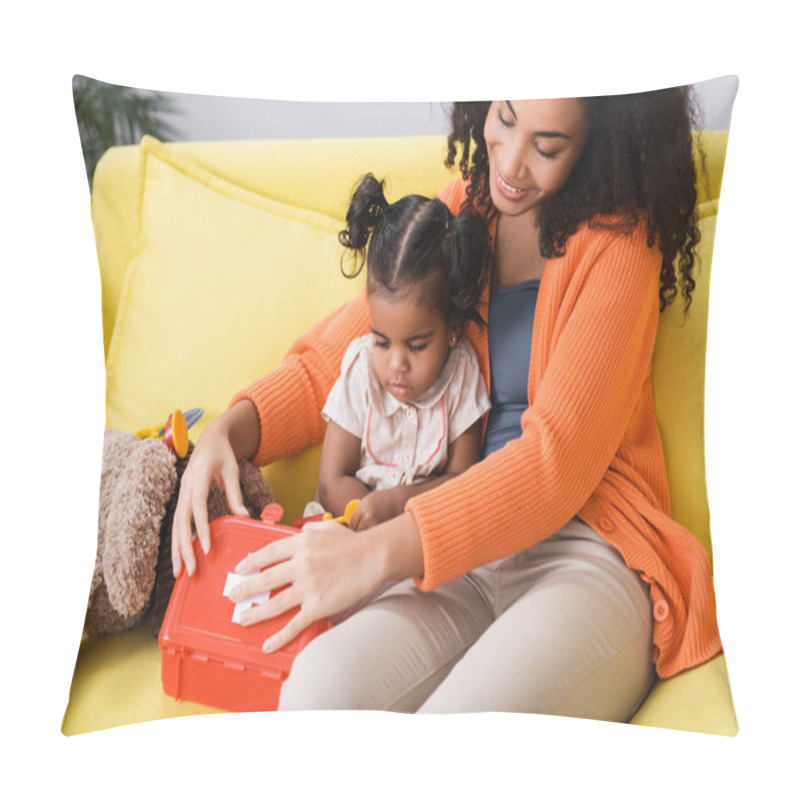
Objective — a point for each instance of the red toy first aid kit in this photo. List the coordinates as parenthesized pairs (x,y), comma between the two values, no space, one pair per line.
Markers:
(207,655)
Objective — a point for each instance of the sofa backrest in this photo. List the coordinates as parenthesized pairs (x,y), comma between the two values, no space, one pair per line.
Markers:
(315,174)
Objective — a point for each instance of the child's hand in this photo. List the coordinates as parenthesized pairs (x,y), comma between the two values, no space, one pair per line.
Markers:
(376,507)
(213,461)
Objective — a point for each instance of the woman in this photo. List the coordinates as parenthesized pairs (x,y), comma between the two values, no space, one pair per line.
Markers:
(548,577)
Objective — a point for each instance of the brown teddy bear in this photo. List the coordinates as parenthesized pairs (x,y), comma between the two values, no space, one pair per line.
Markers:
(139,484)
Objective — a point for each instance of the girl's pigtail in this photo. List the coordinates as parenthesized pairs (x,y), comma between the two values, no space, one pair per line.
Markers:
(469,265)
(365,213)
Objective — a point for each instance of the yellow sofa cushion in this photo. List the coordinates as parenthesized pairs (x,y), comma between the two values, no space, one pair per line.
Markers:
(698,700)
(314,174)
(221,283)
(679,362)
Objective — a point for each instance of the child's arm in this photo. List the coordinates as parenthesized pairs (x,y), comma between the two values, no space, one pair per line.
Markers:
(385,504)
(341,458)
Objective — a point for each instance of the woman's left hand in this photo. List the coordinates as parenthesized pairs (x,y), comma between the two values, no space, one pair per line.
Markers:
(325,568)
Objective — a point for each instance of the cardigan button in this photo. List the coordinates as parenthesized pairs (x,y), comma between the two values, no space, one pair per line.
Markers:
(660,610)
(606,524)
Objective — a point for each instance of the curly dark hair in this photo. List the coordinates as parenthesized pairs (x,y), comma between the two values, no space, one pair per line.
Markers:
(417,243)
(638,159)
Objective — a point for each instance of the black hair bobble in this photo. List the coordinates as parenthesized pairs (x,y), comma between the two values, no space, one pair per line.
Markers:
(366,210)
(412,243)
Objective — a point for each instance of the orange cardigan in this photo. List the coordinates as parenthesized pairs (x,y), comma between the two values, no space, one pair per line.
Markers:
(589,447)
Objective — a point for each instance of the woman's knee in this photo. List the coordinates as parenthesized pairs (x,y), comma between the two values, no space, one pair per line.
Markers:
(323,677)
(388,656)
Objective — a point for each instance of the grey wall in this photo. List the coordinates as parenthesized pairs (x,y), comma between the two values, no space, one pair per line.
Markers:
(219,118)
(716,100)
(200,117)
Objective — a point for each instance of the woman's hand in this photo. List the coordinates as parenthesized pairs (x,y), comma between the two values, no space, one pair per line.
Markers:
(215,460)
(326,568)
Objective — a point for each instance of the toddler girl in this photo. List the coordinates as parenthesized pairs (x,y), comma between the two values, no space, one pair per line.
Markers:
(405,413)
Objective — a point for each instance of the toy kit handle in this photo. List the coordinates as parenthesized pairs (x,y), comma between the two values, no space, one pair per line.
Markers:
(272,512)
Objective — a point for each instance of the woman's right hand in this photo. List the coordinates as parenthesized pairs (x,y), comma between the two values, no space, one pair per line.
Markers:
(325,569)
(215,460)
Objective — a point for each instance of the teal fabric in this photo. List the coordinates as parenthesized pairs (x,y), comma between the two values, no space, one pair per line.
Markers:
(511,312)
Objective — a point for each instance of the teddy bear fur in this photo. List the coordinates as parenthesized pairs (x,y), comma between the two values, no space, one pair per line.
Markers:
(139,483)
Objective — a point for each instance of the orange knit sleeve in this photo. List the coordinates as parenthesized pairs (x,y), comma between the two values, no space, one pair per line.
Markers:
(453,195)
(290,399)
(594,331)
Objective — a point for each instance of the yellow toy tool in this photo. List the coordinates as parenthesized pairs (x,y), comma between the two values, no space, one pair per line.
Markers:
(348,513)
(175,432)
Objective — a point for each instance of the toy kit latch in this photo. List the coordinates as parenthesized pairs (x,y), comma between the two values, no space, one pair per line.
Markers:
(273,512)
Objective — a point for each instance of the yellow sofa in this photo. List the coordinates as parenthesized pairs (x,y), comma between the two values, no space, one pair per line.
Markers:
(215,256)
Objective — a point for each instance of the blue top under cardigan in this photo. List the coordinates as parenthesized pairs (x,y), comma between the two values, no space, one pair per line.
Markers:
(511,311)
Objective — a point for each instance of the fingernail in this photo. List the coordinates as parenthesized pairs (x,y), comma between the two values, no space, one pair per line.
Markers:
(268,646)
(205,546)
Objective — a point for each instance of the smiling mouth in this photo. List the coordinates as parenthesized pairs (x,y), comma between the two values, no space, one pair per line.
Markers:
(508,190)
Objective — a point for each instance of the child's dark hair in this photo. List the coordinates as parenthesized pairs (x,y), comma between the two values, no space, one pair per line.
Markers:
(419,240)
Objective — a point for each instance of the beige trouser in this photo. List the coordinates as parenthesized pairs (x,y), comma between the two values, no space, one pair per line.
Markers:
(561,628)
